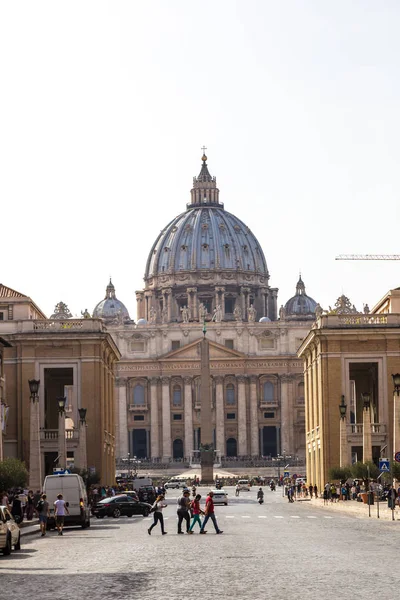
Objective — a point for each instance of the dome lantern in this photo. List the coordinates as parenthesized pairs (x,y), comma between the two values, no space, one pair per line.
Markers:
(299,308)
(111,309)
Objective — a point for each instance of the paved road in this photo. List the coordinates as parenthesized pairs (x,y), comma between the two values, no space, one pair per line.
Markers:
(278,550)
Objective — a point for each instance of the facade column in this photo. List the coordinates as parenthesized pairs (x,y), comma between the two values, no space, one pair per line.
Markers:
(82,448)
(195,314)
(168,298)
(188,415)
(154,421)
(254,430)
(35,458)
(166,419)
(122,429)
(242,416)
(285,413)
(367,434)
(343,461)
(62,443)
(243,298)
(396,421)
(219,415)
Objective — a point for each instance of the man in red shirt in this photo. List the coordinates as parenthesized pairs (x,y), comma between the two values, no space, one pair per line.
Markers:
(209,512)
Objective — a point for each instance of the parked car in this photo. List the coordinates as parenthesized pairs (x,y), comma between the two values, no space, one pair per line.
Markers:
(175,484)
(244,485)
(10,534)
(220,497)
(118,506)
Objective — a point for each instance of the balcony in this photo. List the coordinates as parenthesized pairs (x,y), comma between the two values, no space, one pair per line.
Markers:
(355,433)
(49,439)
(138,407)
(269,403)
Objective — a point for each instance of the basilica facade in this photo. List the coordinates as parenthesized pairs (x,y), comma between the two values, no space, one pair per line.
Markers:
(206,274)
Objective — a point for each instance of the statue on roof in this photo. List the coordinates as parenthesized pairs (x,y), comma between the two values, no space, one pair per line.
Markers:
(237,313)
(185,314)
(343,306)
(61,311)
(252,313)
(152,314)
(86,314)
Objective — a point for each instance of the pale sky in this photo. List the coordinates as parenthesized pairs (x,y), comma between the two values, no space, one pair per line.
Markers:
(104,107)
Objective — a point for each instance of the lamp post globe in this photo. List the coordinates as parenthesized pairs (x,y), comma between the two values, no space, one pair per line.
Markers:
(82,414)
(396,383)
(342,408)
(61,400)
(34,387)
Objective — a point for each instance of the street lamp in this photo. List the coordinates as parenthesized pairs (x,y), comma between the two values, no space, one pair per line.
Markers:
(61,404)
(34,388)
(342,408)
(82,414)
(366,398)
(396,383)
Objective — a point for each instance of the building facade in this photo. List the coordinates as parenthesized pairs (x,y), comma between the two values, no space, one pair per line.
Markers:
(206,268)
(353,356)
(72,358)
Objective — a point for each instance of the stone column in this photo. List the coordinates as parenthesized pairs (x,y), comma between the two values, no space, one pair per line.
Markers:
(140,305)
(285,416)
(194,310)
(62,443)
(122,412)
(166,419)
(154,421)
(242,416)
(35,459)
(188,411)
(367,434)
(219,415)
(396,422)
(207,451)
(243,298)
(344,458)
(254,430)
(168,299)
(82,448)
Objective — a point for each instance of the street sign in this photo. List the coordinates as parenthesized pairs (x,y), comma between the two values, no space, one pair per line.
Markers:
(286,474)
(397,457)
(384,465)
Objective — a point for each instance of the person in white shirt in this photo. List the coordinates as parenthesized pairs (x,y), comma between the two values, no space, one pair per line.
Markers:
(60,510)
(157,509)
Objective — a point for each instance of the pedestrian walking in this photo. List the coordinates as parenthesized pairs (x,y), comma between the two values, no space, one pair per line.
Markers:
(30,506)
(209,514)
(310,490)
(196,512)
(183,511)
(316,491)
(42,509)
(16,510)
(60,510)
(157,509)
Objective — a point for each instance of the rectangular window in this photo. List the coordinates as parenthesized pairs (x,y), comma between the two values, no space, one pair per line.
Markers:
(137,346)
(175,344)
(1,316)
(269,415)
(231,415)
(138,418)
(229,344)
(267,343)
(229,305)
(177,417)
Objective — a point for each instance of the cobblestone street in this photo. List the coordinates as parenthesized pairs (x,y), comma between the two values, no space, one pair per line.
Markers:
(276,550)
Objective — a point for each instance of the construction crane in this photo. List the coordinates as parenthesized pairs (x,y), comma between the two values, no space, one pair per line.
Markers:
(368,257)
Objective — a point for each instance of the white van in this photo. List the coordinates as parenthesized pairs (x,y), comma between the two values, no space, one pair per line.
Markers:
(73,489)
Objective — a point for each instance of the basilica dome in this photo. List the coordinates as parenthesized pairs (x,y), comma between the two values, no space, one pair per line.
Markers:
(205,237)
(301,306)
(206,264)
(111,308)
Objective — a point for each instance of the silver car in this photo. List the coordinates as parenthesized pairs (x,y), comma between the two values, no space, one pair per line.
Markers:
(10,534)
(220,497)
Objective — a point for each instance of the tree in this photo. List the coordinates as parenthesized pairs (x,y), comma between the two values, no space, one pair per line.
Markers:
(360,471)
(13,474)
(339,473)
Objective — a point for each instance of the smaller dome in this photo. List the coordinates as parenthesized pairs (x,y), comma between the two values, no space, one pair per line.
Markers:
(265,320)
(301,307)
(141,322)
(111,309)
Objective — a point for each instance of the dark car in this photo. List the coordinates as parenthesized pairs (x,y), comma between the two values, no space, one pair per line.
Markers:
(117,506)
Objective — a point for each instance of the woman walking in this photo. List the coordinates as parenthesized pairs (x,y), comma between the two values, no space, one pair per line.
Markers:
(196,512)
(158,516)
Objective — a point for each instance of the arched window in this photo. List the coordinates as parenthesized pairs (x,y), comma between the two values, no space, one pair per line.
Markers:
(177,395)
(138,395)
(268,391)
(231,447)
(230,394)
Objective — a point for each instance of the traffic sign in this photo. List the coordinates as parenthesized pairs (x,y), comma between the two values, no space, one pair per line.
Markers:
(286,474)
(397,457)
(384,465)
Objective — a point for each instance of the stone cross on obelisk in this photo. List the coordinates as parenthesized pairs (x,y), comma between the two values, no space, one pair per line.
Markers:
(207,446)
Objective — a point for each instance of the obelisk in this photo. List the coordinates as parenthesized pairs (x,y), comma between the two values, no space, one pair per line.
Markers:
(207,446)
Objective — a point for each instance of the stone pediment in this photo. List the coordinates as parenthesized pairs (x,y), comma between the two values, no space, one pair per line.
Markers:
(192,352)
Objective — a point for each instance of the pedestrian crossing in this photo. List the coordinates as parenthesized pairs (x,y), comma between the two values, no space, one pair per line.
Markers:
(264,517)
